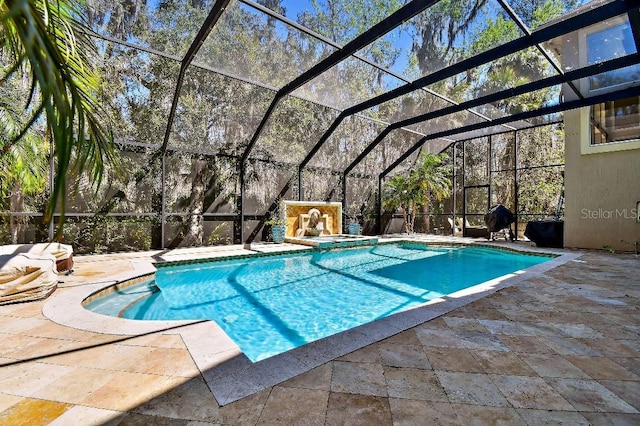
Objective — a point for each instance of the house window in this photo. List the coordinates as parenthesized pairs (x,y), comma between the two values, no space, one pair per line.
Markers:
(616,121)
(608,44)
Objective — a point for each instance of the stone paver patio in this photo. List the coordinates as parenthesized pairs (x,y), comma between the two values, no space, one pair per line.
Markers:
(560,347)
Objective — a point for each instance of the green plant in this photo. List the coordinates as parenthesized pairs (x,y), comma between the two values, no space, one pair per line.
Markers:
(430,178)
(219,235)
(47,41)
(352,213)
(609,249)
(279,215)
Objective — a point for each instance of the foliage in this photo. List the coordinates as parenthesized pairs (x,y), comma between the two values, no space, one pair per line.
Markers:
(430,178)
(23,166)
(279,216)
(244,61)
(101,234)
(219,235)
(46,40)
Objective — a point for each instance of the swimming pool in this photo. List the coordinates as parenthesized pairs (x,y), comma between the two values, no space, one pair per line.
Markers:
(269,305)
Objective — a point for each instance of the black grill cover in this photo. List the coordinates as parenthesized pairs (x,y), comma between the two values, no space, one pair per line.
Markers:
(498,217)
(546,233)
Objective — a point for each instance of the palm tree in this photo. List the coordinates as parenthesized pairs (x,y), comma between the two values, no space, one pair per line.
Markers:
(46,41)
(430,177)
(400,192)
(433,176)
(23,167)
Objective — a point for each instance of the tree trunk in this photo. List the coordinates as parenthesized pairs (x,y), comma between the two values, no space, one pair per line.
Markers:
(16,223)
(426,220)
(405,219)
(194,227)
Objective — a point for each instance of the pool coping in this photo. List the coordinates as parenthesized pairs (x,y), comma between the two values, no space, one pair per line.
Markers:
(229,374)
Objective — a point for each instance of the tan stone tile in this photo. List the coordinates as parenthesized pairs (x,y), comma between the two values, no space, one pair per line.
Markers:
(56,331)
(411,356)
(500,327)
(610,348)
(471,388)
(354,410)
(23,310)
(39,348)
(589,395)
(631,364)
(412,383)
(166,362)
(524,344)
(358,378)
(627,390)
(552,417)
(245,411)
(480,304)
(318,378)
(580,331)
(505,363)
(190,400)
(452,359)
(295,406)
(88,416)
(632,343)
(367,354)
(408,337)
(407,412)
(6,361)
(461,313)
(614,331)
(519,315)
(541,329)
(18,325)
(538,307)
(169,341)
(530,392)
(612,419)
(488,313)
(436,323)
(458,324)
(474,340)
(106,357)
(553,365)
(75,386)
(560,318)
(33,412)
(126,391)
(438,337)
(135,419)
(7,401)
(568,346)
(601,368)
(27,378)
(478,415)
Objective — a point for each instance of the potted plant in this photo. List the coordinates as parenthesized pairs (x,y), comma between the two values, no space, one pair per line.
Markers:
(353,227)
(278,223)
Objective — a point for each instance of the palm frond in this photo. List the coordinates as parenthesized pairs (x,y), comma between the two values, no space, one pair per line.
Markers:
(48,38)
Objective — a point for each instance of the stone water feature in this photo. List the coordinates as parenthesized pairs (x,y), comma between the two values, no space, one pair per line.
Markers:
(319,224)
(313,218)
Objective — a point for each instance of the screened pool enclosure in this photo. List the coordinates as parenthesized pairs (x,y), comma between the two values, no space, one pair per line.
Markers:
(221,108)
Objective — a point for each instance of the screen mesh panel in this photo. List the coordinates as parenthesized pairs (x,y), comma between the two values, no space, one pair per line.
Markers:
(252,45)
(218,114)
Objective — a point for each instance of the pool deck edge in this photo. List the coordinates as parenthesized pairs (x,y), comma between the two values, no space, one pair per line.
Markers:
(227,371)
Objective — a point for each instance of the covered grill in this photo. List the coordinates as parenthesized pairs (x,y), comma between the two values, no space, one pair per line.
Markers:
(499,218)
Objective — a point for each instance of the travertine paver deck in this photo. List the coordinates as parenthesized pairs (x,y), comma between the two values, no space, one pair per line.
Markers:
(559,347)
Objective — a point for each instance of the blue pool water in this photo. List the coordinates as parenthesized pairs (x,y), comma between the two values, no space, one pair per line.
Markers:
(273,304)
